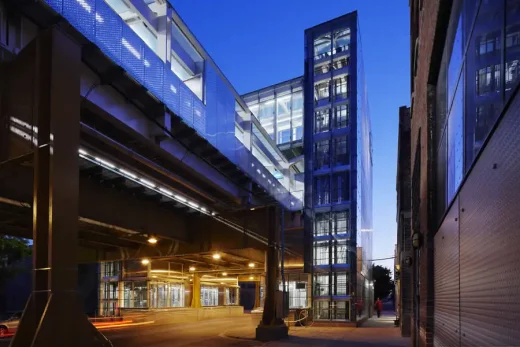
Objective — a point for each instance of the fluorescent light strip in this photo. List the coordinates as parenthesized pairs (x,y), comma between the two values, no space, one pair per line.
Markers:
(165,191)
(128,173)
(147,183)
(105,163)
(180,198)
(84,154)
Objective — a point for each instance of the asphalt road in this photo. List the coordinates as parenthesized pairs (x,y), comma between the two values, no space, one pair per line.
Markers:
(203,333)
(212,333)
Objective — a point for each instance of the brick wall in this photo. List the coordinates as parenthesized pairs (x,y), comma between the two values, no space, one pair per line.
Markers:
(424,25)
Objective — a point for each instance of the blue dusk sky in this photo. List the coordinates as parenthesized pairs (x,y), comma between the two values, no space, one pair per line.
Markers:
(257,43)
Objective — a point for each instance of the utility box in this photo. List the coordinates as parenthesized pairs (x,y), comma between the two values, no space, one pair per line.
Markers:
(282,304)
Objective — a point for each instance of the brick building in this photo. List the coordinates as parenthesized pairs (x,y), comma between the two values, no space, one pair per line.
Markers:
(403,271)
(465,166)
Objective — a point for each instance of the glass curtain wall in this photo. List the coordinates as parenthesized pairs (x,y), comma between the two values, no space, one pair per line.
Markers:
(479,73)
(331,165)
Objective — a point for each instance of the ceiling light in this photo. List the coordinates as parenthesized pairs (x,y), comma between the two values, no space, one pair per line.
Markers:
(221,282)
(154,276)
(216,256)
(165,191)
(147,183)
(191,280)
(192,204)
(192,268)
(145,261)
(224,274)
(251,277)
(203,209)
(251,264)
(252,209)
(152,240)
(83,152)
(213,213)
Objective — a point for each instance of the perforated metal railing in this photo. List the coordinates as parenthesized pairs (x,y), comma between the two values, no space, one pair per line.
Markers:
(214,120)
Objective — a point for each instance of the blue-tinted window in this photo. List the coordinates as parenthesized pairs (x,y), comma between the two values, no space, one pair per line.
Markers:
(322,155)
(322,190)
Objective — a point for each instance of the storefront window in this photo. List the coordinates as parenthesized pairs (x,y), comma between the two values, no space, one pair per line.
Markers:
(231,296)
(209,296)
(140,294)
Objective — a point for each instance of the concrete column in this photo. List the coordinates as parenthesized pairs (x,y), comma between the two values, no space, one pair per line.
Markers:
(195,292)
(54,305)
(271,327)
(257,295)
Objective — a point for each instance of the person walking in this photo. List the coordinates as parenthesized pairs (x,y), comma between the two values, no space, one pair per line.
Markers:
(359,307)
(378,305)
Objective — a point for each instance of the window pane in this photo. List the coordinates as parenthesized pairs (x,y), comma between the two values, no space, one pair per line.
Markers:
(322,224)
(297,116)
(322,190)
(341,152)
(322,46)
(341,40)
(341,252)
(340,187)
(341,116)
(321,121)
(321,284)
(321,91)
(266,116)
(341,222)
(321,253)
(322,155)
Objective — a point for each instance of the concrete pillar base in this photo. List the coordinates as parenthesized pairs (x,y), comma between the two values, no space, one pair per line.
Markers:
(266,333)
(60,323)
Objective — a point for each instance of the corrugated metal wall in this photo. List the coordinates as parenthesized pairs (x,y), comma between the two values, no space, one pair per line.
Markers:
(488,245)
(446,286)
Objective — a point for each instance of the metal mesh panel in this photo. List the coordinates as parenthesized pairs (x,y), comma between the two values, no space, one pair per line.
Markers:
(153,72)
(446,274)
(57,5)
(489,241)
(186,105)
(82,15)
(109,31)
(171,89)
(199,116)
(211,104)
(132,54)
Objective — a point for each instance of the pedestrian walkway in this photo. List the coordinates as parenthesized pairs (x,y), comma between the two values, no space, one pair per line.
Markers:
(375,332)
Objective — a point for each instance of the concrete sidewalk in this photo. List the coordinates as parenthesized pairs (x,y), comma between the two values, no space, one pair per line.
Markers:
(375,332)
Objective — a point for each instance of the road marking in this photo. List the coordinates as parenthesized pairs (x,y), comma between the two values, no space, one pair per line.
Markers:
(123,325)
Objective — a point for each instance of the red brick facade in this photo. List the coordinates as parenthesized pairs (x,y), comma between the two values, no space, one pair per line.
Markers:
(424,26)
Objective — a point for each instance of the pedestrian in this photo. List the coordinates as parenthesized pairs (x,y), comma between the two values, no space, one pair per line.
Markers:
(378,305)
(359,306)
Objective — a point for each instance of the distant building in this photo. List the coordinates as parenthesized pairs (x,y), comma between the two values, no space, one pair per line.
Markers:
(465,166)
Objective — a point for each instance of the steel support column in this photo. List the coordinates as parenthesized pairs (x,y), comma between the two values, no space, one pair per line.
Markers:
(195,292)
(272,326)
(54,314)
